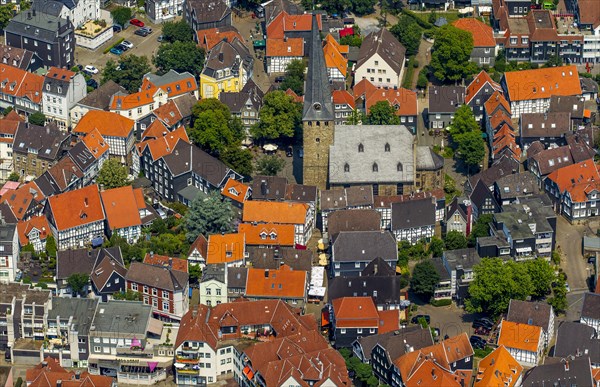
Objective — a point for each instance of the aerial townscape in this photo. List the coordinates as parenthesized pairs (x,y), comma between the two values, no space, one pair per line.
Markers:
(400,193)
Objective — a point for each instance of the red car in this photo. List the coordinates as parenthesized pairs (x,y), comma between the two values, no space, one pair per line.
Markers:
(136,22)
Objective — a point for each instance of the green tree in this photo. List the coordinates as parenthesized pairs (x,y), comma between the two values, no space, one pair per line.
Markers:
(178,31)
(541,274)
(352,40)
(208,215)
(451,54)
(19,382)
(559,295)
(121,15)
(408,32)
(500,62)
(424,279)
(463,121)
(455,240)
(481,228)
(294,77)
(356,118)
(280,117)
(129,72)
(554,61)
(195,273)
(6,13)
(495,284)
(37,118)
(240,160)
(471,148)
(363,7)
(270,165)
(128,295)
(167,244)
(179,56)
(51,246)
(212,130)
(382,113)
(14,176)
(78,282)
(112,174)
(422,80)
(436,247)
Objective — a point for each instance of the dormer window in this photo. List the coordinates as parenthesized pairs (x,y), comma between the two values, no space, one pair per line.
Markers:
(273,236)
(48,87)
(361,148)
(399,167)
(263,235)
(59,90)
(346,167)
(387,147)
(375,167)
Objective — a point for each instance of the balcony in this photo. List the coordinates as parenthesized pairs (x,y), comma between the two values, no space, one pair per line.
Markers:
(188,371)
(187,359)
(128,351)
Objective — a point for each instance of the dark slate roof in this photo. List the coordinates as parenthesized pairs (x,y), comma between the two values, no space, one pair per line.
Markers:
(209,10)
(236,277)
(275,7)
(440,268)
(591,306)
(531,313)
(350,246)
(48,140)
(7,234)
(57,86)
(100,98)
(465,258)
(550,124)
(458,204)
(359,195)
(445,99)
(269,258)
(501,167)
(47,25)
(384,290)
(588,85)
(268,187)
(185,103)
(236,101)
(213,271)
(518,184)
(578,373)
(413,213)
(575,339)
(16,57)
(567,104)
(378,267)
(318,105)
(187,157)
(157,276)
(225,54)
(81,156)
(399,342)
(83,260)
(480,193)
(428,160)
(49,7)
(6,213)
(580,149)
(384,44)
(353,220)
(81,310)
(301,193)
(47,184)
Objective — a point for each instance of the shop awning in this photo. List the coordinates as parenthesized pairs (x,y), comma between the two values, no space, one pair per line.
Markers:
(248,372)
(155,327)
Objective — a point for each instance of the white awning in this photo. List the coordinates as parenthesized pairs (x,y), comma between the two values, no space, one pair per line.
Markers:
(155,327)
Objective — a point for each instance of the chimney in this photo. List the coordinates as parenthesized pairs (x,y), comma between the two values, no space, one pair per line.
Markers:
(33,11)
(28,15)
(194,312)
(170,262)
(77,375)
(44,364)
(58,383)
(152,254)
(375,269)
(567,366)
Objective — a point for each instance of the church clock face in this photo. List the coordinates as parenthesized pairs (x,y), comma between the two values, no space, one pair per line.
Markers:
(317,106)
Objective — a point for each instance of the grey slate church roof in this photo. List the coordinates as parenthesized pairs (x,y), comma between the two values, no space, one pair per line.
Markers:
(358,154)
(318,105)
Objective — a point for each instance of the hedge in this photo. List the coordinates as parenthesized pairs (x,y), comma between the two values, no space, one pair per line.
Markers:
(424,24)
(444,302)
(114,45)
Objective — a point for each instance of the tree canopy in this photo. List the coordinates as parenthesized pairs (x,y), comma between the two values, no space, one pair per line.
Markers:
(541,274)
(471,148)
(451,54)
(408,32)
(270,165)
(180,56)
(463,121)
(382,113)
(178,31)
(481,228)
(6,13)
(129,72)
(78,282)
(280,117)
(455,240)
(294,77)
(424,279)
(37,118)
(121,15)
(112,174)
(208,215)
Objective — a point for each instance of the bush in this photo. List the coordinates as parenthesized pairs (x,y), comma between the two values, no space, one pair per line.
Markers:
(481,353)
(19,382)
(419,21)
(415,63)
(444,302)
(114,45)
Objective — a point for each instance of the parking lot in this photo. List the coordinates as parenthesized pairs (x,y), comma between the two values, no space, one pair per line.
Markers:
(142,46)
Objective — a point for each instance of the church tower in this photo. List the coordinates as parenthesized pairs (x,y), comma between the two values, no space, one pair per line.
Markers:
(318,117)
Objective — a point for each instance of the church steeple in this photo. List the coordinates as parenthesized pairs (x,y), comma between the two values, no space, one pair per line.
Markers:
(318,104)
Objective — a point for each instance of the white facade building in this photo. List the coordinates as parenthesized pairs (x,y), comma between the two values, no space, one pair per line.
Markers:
(62,90)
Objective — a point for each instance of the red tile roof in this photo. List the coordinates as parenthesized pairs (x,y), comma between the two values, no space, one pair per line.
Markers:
(478,83)
(60,74)
(176,88)
(483,35)
(107,123)
(275,212)
(143,97)
(226,248)
(95,143)
(542,83)
(520,336)
(335,55)
(498,368)
(51,373)
(209,38)
(403,100)
(20,83)
(168,113)
(76,208)
(296,97)
(24,227)
(288,23)
(21,199)
(121,207)
(497,99)
(343,97)
(154,130)
(166,261)
(578,179)
(285,47)
(164,145)
(281,283)
(274,234)
(200,244)
(235,190)
(355,312)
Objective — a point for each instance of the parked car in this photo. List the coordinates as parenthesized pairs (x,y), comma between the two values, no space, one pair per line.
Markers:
(483,331)
(116,51)
(127,44)
(141,32)
(279,79)
(160,38)
(122,47)
(117,28)
(289,152)
(482,324)
(301,155)
(592,260)
(477,342)
(136,22)
(567,287)
(91,69)
(415,319)
(147,29)
(92,83)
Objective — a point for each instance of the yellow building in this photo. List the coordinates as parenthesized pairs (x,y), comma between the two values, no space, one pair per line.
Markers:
(228,67)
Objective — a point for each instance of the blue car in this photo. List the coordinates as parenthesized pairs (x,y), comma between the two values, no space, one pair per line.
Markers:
(116,51)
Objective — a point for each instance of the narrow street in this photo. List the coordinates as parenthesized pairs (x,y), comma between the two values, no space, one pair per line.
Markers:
(569,240)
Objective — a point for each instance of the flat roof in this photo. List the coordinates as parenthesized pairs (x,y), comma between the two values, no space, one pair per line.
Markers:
(81,309)
(32,295)
(126,317)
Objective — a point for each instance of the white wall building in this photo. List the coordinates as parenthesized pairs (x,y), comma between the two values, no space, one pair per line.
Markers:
(62,90)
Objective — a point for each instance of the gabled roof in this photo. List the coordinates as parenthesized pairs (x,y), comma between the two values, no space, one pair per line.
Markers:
(397,343)
(577,339)
(335,55)
(173,83)
(39,223)
(109,124)
(384,44)
(76,208)
(200,244)
(20,83)
(591,306)
(268,234)
(275,212)
(520,336)
(168,113)
(445,99)
(65,172)
(498,368)
(281,283)
(353,220)
(52,374)
(23,198)
(290,47)
(479,82)
(132,101)
(483,35)
(207,11)
(285,22)
(497,99)
(355,312)
(157,276)
(95,143)
(365,246)
(177,264)
(343,97)
(226,248)
(162,146)
(100,98)
(577,179)
(48,141)
(560,372)
(104,268)
(210,37)
(542,83)
(235,190)
(121,208)
(403,101)
(531,313)
(413,213)
(84,260)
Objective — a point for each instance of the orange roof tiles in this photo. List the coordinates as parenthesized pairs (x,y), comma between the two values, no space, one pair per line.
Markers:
(275,212)
(296,97)
(53,374)
(210,37)
(499,118)
(497,99)
(542,83)
(168,113)
(178,264)
(285,47)
(107,123)
(505,130)
(578,179)
(363,88)
(430,374)
(95,143)
(60,74)
(138,193)
(14,116)
(39,223)
(21,199)
(483,35)
(134,100)
(342,48)
(389,320)
(478,83)
(235,190)
(343,97)
(226,248)
(76,208)
(121,207)
(268,234)
(200,244)
(520,336)
(175,88)
(355,312)
(287,23)
(404,101)
(281,283)
(20,83)
(498,369)
(164,145)
(334,57)
(155,130)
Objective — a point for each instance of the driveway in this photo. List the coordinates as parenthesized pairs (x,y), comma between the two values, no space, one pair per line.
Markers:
(450,320)
(568,242)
